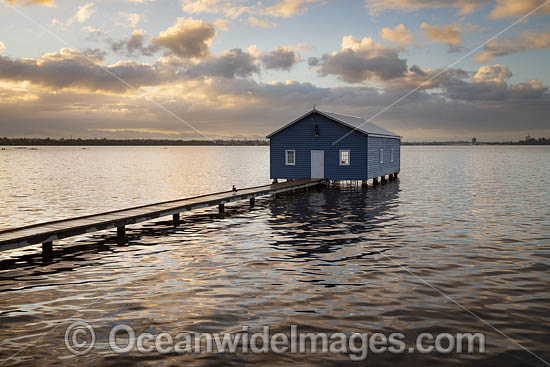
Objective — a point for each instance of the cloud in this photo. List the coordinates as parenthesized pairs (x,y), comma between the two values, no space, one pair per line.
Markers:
(254,51)
(200,6)
(93,33)
(135,43)
(463,6)
(187,38)
(222,24)
(517,8)
(288,8)
(227,8)
(458,104)
(488,83)
(496,91)
(130,19)
(82,14)
(261,23)
(49,3)
(313,61)
(75,69)
(503,8)
(230,64)
(426,79)
(496,74)
(398,35)
(449,34)
(2,47)
(282,58)
(528,41)
(223,107)
(235,9)
(360,61)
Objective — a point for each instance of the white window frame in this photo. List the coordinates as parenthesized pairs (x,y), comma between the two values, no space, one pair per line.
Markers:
(349,157)
(391,156)
(381,155)
(293,155)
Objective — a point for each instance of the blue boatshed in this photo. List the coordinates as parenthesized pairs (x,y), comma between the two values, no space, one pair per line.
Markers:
(333,146)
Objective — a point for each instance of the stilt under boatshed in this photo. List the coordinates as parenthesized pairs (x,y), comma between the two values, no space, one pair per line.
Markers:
(335,147)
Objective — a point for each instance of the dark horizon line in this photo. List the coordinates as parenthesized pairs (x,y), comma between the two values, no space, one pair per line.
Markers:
(124,142)
(221,142)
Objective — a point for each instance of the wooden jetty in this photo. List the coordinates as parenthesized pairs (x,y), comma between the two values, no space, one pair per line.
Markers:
(46,233)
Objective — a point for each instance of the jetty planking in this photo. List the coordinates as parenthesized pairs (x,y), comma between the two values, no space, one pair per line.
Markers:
(46,233)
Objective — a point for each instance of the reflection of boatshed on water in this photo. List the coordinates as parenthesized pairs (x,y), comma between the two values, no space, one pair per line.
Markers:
(333,146)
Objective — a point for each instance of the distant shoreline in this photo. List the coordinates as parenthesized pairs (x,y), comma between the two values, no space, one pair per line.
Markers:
(160,142)
(126,142)
(465,143)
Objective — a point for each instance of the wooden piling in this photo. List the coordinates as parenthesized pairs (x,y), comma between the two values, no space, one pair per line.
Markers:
(176,219)
(47,251)
(383,179)
(121,232)
(252,201)
(375,181)
(221,208)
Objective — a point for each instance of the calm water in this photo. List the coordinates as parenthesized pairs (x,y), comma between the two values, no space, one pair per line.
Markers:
(470,221)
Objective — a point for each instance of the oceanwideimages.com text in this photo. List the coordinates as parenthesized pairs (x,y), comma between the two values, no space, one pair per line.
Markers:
(80,339)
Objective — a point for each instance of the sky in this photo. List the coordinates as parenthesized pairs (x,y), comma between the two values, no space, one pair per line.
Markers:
(210,69)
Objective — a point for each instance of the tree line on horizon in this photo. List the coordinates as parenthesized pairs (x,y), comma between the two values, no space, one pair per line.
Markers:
(105,141)
(5,141)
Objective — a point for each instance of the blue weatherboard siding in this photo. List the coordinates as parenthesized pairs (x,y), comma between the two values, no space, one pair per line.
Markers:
(377,169)
(300,137)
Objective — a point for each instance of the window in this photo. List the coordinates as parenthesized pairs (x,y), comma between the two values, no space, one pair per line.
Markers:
(344,157)
(391,157)
(290,157)
(381,156)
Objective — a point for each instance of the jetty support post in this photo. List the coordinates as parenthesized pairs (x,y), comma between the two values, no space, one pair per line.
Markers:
(47,251)
(375,181)
(383,179)
(221,208)
(121,232)
(252,201)
(176,219)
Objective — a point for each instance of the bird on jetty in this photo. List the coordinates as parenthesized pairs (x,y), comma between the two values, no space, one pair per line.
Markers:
(234,189)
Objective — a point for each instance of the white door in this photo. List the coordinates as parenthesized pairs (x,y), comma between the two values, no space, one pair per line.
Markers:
(317,164)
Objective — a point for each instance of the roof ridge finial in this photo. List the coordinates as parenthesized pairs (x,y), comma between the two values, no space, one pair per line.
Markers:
(314,108)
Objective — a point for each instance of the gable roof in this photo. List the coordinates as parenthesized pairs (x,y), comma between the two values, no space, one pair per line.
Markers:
(353,122)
